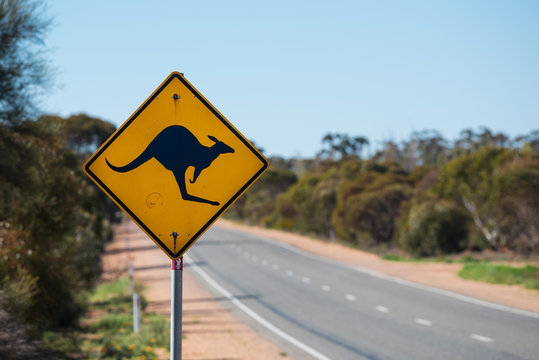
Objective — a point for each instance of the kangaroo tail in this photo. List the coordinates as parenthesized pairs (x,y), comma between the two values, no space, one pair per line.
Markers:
(141,159)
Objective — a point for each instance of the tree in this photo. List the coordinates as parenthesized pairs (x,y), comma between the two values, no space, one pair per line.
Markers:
(83,133)
(23,71)
(470,141)
(51,224)
(368,206)
(498,189)
(466,143)
(529,141)
(342,145)
(427,147)
(390,152)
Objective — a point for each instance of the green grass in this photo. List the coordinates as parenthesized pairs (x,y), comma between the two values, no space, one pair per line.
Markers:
(394,257)
(486,271)
(501,274)
(110,335)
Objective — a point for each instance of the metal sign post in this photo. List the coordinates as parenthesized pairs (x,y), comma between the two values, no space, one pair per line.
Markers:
(176,309)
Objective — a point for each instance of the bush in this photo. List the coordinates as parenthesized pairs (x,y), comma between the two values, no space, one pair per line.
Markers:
(368,206)
(433,228)
(51,237)
(258,204)
(308,204)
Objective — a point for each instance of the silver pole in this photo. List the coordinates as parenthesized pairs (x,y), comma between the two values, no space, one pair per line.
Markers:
(176,309)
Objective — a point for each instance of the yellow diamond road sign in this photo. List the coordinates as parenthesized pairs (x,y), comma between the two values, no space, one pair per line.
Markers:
(175,165)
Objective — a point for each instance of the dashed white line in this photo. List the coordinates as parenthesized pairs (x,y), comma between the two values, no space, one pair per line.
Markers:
(423,322)
(481,338)
(275,267)
(255,258)
(382,309)
(290,273)
(264,262)
(350,297)
(379,275)
(306,280)
(326,287)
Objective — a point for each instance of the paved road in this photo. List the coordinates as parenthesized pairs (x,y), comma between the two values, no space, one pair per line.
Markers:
(315,308)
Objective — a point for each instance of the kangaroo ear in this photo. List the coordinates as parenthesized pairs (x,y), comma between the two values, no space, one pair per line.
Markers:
(212,138)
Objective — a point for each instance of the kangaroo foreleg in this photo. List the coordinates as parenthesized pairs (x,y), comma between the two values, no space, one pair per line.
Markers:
(180,179)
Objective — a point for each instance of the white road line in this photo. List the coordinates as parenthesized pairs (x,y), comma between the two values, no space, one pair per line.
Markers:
(423,322)
(350,297)
(255,258)
(275,267)
(412,284)
(290,273)
(326,288)
(382,309)
(309,350)
(481,338)
(264,262)
(306,280)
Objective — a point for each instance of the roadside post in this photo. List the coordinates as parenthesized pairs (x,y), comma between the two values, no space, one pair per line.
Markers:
(174,167)
(136,313)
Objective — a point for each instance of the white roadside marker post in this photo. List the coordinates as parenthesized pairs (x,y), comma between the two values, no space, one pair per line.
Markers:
(136,312)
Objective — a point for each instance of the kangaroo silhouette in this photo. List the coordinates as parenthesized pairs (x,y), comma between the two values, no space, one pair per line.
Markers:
(176,148)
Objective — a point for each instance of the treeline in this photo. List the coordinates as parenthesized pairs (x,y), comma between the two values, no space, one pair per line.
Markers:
(427,196)
(53,222)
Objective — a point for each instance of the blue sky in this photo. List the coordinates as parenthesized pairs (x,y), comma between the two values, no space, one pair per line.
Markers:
(287,72)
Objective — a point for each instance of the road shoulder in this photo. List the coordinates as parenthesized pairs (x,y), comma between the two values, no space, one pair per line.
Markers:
(210,330)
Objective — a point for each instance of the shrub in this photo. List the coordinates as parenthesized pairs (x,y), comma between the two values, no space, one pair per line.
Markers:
(433,228)
(51,238)
(258,204)
(368,206)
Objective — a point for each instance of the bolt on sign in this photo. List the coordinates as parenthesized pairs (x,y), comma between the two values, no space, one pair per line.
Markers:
(175,165)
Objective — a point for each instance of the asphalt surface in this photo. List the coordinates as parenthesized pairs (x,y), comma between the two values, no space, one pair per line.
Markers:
(320,309)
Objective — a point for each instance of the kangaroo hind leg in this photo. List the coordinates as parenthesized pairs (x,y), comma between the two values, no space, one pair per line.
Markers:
(180,179)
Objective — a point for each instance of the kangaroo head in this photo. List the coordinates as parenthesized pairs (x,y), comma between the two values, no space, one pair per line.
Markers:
(215,150)
(220,146)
